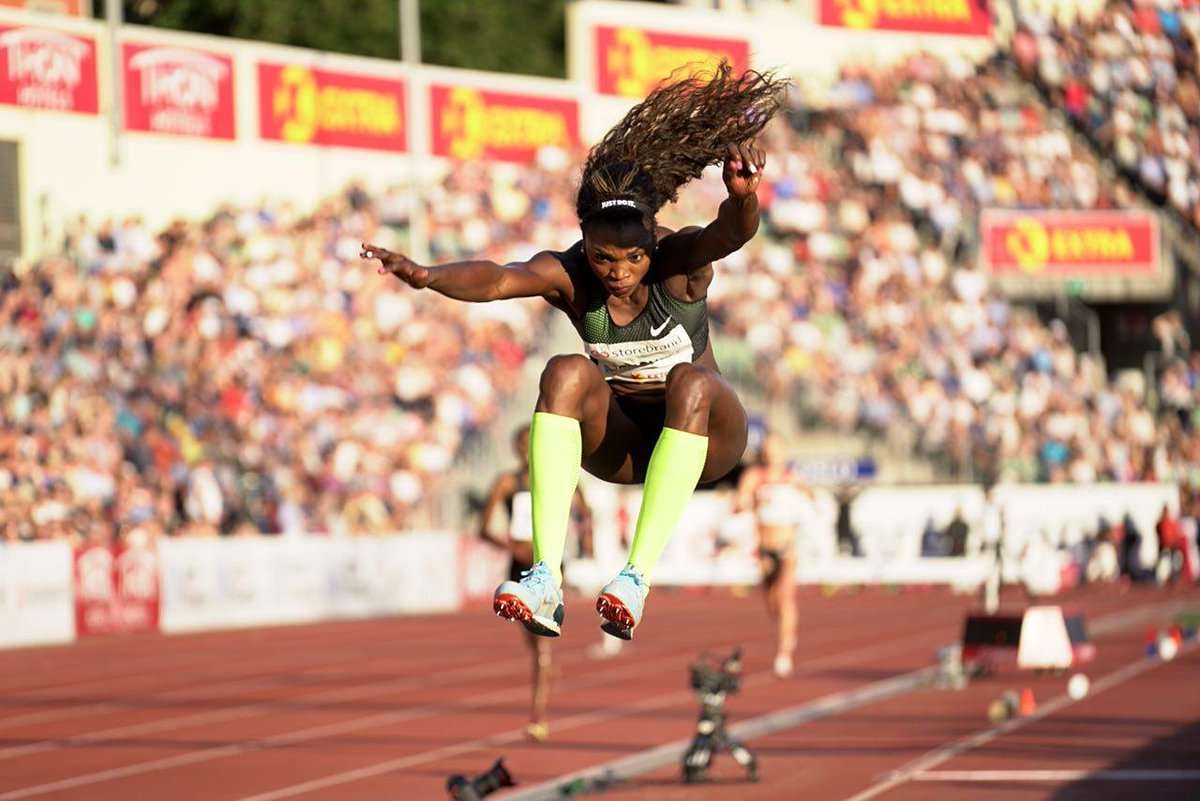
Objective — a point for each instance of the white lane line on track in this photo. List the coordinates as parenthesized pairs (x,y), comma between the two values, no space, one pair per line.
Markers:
(303,735)
(950,750)
(1057,776)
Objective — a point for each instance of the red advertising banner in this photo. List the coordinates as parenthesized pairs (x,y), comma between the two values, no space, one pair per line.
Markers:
(961,17)
(470,123)
(116,589)
(178,90)
(47,69)
(75,8)
(321,107)
(632,61)
(1059,245)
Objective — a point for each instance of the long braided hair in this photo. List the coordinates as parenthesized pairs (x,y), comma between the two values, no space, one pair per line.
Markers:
(670,137)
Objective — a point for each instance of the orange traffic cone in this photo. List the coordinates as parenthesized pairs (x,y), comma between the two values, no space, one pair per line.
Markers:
(1028,704)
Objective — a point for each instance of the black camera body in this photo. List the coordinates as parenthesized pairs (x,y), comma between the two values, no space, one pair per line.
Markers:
(711,677)
(463,789)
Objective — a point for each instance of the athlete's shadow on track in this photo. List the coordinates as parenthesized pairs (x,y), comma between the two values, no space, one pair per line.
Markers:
(1179,750)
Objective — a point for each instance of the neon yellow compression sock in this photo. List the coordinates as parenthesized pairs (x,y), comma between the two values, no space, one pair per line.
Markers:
(555,453)
(671,478)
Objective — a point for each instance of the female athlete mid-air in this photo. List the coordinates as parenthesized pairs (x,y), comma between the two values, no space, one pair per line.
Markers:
(647,403)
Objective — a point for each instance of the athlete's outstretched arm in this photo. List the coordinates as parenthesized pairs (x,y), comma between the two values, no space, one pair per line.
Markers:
(478,281)
(737,219)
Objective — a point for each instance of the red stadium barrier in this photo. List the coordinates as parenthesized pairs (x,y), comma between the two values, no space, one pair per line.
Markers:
(116,589)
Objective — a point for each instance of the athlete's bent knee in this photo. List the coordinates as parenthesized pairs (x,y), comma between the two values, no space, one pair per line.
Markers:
(565,382)
(690,390)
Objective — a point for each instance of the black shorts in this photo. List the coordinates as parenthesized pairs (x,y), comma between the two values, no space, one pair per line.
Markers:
(515,569)
(648,414)
(774,558)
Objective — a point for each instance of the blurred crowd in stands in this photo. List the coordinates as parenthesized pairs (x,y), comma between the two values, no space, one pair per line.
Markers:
(889,326)
(1128,76)
(249,374)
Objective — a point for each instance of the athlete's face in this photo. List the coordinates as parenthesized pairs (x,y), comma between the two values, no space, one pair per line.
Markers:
(619,254)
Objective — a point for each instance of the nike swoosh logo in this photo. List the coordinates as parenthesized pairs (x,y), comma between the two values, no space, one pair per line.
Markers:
(656,331)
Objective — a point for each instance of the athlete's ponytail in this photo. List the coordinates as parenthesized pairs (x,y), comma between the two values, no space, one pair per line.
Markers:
(671,136)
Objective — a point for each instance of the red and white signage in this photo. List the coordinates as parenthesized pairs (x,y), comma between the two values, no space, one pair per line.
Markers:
(178,90)
(116,589)
(44,68)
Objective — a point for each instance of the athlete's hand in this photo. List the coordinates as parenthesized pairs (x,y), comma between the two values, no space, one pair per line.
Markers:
(743,168)
(399,265)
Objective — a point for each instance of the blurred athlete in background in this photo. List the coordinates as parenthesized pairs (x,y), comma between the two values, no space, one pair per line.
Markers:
(511,490)
(780,500)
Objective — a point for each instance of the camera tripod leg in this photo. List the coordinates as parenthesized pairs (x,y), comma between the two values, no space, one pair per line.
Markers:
(743,756)
(698,758)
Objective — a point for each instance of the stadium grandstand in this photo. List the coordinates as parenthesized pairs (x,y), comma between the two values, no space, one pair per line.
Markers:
(966,317)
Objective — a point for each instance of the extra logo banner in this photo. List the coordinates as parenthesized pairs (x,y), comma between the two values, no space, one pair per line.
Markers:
(631,62)
(47,69)
(1059,245)
(471,123)
(306,105)
(960,17)
(176,90)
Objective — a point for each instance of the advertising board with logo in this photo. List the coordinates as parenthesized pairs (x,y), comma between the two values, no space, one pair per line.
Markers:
(43,68)
(960,17)
(306,105)
(630,62)
(1073,251)
(471,123)
(116,589)
(178,90)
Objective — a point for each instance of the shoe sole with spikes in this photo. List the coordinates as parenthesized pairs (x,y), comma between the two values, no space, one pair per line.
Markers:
(618,621)
(510,607)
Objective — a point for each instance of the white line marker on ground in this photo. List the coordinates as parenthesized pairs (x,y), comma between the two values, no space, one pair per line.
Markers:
(1057,775)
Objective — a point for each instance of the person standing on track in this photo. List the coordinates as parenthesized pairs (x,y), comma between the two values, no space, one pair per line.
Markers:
(511,489)
(647,402)
(778,497)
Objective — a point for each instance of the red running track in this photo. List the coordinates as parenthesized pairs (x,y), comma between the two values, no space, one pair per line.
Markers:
(386,709)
